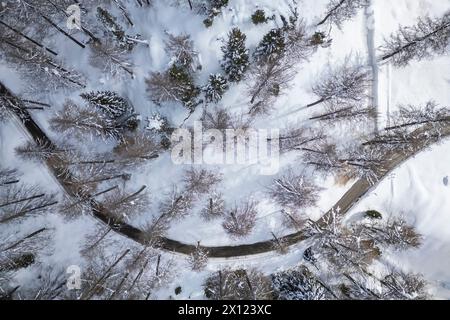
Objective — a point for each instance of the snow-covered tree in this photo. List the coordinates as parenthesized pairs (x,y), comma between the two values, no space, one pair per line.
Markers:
(339,11)
(427,38)
(111,58)
(81,122)
(122,206)
(176,84)
(135,149)
(198,182)
(412,117)
(216,87)
(299,284)
(296,139)
(110,103)
(235,55)
(343,86)
(111,25)
(259,16)
(181,49)
(38,65)
(272,46)
(199,258)
(399,285)
(295,191)
(211,8)
(18,200)
(240,221)
(268,81)
(240,284)
(214,207)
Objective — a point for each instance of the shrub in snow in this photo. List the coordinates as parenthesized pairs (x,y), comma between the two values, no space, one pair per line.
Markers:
(216,87)
(235,55)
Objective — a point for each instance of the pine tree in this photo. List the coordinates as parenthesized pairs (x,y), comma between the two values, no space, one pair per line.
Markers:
(298,285)
(235,55)
(271,47)
(110,23)
(216,87)
(110,103)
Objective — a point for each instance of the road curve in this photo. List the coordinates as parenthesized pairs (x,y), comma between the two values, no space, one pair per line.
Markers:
(358,190)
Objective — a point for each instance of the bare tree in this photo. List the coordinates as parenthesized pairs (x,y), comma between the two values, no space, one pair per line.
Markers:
(34,63)
(427,38)
(343,86)
(175,84)
(40,150)
(299,284)
(404,286)
(351,161)
(8,177)
(241,219)
(19,201)
(267,81)
(296,139)
(80,122)
(122,206)
(395,232)
(138,148)
(295,191)
(340,11)
(241,284)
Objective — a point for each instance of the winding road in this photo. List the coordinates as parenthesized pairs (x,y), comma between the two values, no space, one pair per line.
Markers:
(357,191)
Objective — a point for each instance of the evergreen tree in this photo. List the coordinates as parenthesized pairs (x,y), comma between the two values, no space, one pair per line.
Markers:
(110,103)
(235,55)
(110,23)
(216,87)
(298,285)
(429,37)
(271,47)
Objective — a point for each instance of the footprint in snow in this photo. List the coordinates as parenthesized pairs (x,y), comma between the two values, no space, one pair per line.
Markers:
(445,180)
